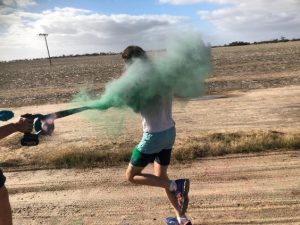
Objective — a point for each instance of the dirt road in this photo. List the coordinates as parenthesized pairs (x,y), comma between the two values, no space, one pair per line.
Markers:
(247,189)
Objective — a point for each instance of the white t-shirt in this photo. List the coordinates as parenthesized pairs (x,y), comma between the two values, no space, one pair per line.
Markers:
(157,115)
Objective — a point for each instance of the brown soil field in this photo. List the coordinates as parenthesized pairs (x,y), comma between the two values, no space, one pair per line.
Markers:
(256,88)
(235,68)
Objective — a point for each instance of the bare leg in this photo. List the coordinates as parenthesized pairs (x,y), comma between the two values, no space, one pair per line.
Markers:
(161,171)
(5,209)
(134,174)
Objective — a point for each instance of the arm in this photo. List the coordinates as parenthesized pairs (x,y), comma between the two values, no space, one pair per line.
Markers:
(7,130)
(23,125)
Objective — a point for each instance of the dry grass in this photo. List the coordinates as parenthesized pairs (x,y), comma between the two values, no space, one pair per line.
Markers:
(89,159)
(219,144)
(186,149)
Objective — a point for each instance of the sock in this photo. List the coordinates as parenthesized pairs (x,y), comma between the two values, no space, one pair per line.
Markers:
(182,220)
(173,186)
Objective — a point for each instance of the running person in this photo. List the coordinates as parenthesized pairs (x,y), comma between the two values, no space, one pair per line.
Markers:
(156,147)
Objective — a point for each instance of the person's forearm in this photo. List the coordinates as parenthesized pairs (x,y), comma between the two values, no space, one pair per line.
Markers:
(8,130)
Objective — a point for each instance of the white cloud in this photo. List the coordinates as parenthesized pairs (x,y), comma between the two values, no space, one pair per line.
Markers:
(17,3)
(257,19)
(188,2)
(253,20)
(77,31)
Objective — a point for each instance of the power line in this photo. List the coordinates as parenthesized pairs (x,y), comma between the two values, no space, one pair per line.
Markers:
(45,35)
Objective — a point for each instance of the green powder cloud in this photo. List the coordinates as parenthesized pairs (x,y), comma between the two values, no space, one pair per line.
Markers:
(181,71)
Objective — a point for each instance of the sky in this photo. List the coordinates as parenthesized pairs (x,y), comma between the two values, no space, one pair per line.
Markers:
(93,26)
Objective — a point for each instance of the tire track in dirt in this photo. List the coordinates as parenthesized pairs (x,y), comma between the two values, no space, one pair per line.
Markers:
(237,189)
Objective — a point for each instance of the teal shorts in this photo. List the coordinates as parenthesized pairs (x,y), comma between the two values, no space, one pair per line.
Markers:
(155,142)
(154,147)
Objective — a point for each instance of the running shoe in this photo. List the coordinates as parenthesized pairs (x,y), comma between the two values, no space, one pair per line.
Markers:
(181,194)
(171,221)
(174,221)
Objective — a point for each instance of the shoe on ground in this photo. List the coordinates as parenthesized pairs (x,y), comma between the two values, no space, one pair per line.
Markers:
(171,221)
(174,221)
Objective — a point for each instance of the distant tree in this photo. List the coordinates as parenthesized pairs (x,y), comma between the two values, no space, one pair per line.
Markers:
(295,39)
(238,43)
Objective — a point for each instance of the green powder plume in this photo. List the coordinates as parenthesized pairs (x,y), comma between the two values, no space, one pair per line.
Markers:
(181,71)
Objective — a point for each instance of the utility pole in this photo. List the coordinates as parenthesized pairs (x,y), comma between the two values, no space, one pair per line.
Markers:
(45,35)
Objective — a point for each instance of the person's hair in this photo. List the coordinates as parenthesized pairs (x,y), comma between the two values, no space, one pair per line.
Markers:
(132,52)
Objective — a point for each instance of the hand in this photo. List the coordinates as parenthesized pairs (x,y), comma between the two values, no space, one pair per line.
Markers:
(24,125)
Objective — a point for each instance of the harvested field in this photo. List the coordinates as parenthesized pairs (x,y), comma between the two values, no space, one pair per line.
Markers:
(235,68)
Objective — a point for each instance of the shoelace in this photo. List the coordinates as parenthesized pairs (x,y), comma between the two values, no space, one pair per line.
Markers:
(179,197)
